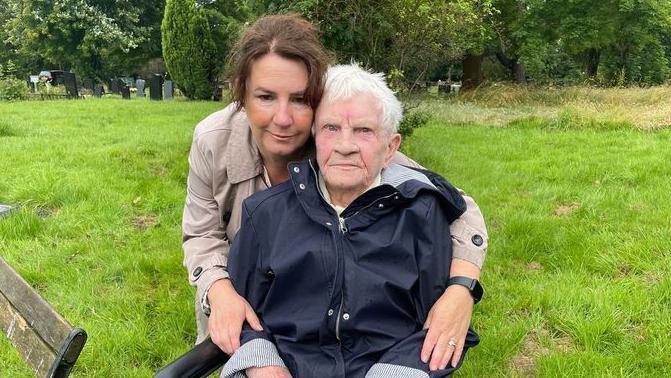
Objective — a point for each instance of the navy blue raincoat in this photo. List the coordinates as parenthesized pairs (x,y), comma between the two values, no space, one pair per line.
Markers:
(344,296)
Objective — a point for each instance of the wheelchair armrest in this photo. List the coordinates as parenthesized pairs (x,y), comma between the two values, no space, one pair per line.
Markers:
(200,361)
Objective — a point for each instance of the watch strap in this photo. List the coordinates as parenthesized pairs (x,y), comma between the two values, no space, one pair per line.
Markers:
(471,284)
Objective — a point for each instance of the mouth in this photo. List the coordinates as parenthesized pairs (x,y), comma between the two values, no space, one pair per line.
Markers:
(345,166)
(281,137)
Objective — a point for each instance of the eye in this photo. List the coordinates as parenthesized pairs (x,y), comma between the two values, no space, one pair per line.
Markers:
(364,130)
(330,127)
(299,100)
(264,97)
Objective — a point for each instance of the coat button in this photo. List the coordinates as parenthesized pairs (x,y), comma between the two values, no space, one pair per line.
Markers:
(270,273)
(330,312)
(477,240)
(197,271)
(329,224)
(302,186)
(380,206)
(345,316)
(296,169)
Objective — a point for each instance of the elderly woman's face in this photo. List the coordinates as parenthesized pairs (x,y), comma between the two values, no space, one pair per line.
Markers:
(352,147)
(275,105)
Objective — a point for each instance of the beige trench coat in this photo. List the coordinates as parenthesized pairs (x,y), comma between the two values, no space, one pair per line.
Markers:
(224,169)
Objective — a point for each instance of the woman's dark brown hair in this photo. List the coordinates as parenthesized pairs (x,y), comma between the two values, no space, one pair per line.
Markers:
(289,36)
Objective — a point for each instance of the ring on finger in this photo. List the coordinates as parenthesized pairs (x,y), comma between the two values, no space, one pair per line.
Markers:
(452,342)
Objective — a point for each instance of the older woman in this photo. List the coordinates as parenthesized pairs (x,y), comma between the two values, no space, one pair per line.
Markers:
(278,68)
(344,261)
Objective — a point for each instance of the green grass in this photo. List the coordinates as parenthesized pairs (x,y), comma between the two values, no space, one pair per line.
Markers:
(577,278)
(101,184)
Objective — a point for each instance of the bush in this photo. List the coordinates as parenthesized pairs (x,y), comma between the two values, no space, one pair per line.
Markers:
(12,89)
(412,120)
(188,48)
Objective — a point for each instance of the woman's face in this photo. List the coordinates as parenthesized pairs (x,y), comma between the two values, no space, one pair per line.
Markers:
(275,104)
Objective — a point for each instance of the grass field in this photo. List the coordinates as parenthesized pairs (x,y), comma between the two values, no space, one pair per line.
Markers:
(574,186)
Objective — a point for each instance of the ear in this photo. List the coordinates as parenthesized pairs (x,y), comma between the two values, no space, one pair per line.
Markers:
(394,143)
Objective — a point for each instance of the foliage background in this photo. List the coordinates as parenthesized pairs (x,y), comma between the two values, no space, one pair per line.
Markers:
(608,43)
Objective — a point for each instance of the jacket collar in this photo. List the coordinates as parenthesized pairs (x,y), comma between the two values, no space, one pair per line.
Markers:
(399,185)
(242,153)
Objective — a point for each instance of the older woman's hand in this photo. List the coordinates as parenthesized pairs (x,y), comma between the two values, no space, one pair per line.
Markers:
(268,372)
(448,319)
(228,311)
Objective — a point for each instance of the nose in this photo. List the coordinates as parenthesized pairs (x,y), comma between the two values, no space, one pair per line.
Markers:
(345,145)
(283,115)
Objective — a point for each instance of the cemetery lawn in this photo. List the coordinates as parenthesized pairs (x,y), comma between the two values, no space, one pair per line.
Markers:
(577,281)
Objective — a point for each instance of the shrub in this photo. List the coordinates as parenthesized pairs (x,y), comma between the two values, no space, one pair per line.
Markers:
(13,89)
(188,48)
(412,120)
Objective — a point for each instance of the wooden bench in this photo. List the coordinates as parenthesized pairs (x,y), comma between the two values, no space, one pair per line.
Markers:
(46,341)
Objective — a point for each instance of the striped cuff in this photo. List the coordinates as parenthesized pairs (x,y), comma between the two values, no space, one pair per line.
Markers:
(381,370)
(255,353)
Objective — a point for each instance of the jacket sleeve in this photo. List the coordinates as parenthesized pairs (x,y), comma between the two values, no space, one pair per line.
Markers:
(469,227)
(257,348)
(403,359)
(203,231)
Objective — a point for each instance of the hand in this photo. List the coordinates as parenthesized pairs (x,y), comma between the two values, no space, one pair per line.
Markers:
(228,311)
(268,372)
(449,318)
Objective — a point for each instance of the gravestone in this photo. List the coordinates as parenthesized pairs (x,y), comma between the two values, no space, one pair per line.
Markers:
(5,210)
(156,87)
(98,90)
(113,86)
(168,90)
(124,90)
(89,84)
(70,82)
(140,85)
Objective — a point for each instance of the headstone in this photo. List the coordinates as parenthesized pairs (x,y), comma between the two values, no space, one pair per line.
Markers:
(454,88)
(34,79)
(113,86)
(70,82)
(124,90)
(57,78)
(219,93)
(128,81)
(98,90)
(89,84)
(140,85)
(156,87)
(168,90)
(5,210)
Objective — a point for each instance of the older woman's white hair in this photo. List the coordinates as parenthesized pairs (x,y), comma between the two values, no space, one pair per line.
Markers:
(345,81)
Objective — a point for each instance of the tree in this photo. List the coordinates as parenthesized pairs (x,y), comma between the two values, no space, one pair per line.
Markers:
(196,41)
(77,34)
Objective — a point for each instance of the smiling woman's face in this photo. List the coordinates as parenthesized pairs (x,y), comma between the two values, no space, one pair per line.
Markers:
(279,117)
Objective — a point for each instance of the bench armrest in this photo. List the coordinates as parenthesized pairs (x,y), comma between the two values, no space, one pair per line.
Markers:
(200,361)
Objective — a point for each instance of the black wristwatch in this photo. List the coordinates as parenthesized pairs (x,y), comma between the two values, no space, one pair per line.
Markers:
(472,285)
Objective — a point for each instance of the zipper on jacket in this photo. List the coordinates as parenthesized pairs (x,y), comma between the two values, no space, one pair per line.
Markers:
(343,225)
(337,330)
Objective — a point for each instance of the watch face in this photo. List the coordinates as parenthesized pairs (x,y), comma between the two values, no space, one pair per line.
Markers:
(473,286)
(477,291)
